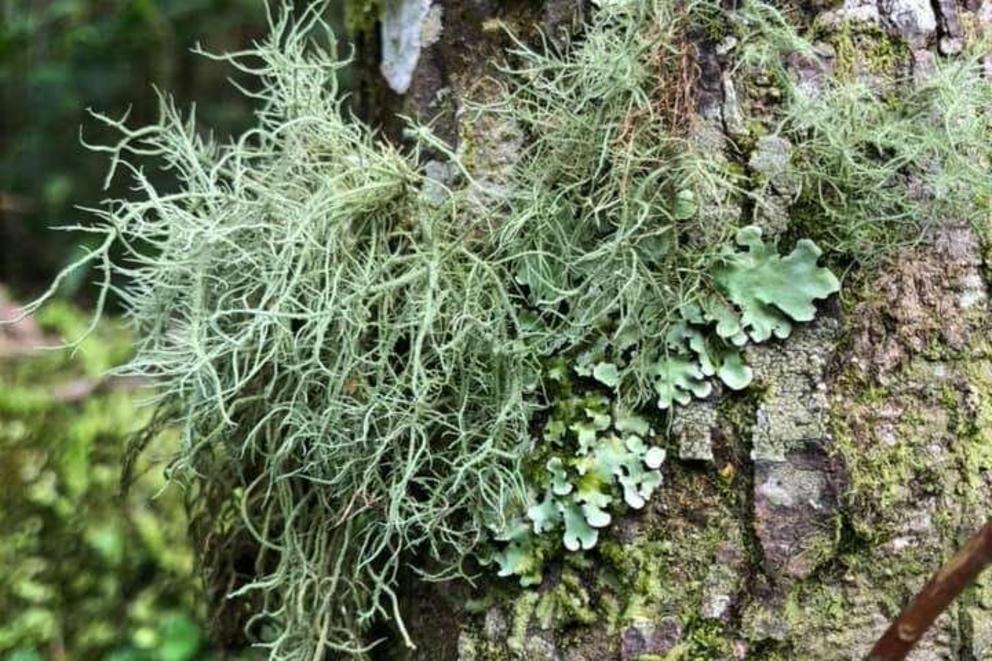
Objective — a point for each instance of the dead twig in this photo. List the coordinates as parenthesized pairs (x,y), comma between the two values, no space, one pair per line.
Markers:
(935,597)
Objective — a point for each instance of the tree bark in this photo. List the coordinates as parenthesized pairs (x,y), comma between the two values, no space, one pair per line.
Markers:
(797,519)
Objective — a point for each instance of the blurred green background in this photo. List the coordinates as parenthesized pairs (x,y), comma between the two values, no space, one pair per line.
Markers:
(60,57)
(85,574)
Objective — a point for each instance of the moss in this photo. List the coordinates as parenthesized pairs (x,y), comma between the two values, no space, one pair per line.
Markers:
(808,601)
(647,585)
(664,570)
(831,610)
(882,468)
(975,421)
(878,470)
(468,648)
(660,569)
(915,442)
(863,48)
(737,410)
(704,639)
(565,604)
(523,611)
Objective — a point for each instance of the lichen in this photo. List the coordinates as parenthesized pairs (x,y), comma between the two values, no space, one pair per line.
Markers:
(603,243)
(595,459)
(402,23)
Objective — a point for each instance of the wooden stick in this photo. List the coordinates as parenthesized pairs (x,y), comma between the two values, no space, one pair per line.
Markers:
(935,597)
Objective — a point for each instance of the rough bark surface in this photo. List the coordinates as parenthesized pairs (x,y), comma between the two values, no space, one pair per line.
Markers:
(799,517)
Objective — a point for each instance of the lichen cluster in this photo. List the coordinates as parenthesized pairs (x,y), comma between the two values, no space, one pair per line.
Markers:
(382,371)
(599,454)
(875,157)
(756,296)
(590,455)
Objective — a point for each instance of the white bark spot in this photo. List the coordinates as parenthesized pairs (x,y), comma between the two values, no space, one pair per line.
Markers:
(403,23)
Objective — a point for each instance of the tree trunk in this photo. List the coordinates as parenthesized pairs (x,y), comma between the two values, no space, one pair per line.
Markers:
(797,518)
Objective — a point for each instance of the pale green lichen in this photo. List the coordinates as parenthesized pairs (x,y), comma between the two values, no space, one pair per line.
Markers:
(354,352)
(771,290)
(763,293)
(596,464)
(758,294)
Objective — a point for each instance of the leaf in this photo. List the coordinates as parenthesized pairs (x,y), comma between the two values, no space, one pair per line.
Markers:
(638,487)
(654,458)
(654,248)
(181,639)
(554,430)
(558,370)
(682,335)
(596,516)
(639,484)
(625,461)
(584,363)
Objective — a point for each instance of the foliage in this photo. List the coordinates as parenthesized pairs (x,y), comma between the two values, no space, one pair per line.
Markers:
(86,574)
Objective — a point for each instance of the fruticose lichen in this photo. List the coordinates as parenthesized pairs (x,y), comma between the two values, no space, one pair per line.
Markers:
(368,365)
